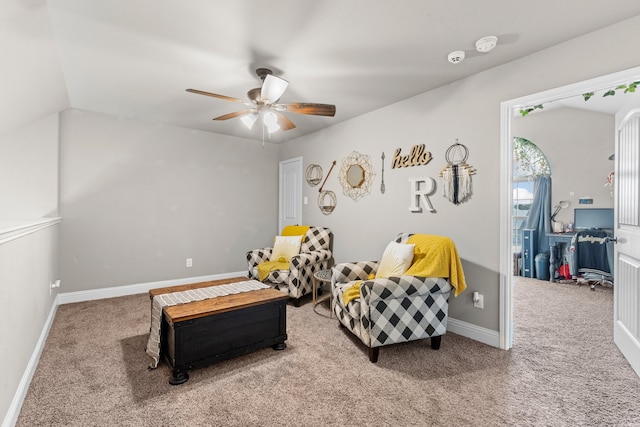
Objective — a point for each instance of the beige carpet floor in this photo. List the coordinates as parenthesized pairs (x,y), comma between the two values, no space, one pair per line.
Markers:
(564,370)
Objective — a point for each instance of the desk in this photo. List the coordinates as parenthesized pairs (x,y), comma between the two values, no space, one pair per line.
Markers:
(563,240)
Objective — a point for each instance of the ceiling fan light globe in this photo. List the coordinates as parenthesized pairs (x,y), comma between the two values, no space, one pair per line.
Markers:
(272,89)
(273,128)
(270,120)
(249,120)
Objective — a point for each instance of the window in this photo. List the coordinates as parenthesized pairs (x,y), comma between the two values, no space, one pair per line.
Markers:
(528,162)
(522,199)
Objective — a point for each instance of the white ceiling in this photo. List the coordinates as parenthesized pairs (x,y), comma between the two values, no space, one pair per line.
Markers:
(135,59)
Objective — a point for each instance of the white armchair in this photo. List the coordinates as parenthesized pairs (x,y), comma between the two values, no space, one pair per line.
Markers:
(297,280)
(393,309)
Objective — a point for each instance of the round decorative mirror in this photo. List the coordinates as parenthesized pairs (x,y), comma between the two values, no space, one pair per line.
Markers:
(355,176)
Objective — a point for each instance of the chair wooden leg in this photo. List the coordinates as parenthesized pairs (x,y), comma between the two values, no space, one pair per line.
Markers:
(435,342)
(373,354)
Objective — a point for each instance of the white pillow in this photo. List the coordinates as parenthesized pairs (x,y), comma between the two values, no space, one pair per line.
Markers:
(285,248)
(396,259)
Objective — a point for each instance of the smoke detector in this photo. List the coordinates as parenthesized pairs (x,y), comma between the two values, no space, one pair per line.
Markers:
(456,57)
(485,44)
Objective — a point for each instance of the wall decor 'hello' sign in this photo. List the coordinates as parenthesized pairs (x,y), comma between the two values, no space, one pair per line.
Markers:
(417,157)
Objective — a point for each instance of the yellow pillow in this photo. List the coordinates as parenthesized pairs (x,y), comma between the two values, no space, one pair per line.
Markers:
(396,259)
(285,248)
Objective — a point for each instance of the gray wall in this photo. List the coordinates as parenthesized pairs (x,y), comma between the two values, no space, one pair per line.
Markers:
(577,144)
(29,171)
(28,190)
(138,199)
(468,110)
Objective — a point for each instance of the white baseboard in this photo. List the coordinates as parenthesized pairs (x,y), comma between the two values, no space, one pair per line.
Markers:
(477,333)
(70,297)
(11,417)
(140,288)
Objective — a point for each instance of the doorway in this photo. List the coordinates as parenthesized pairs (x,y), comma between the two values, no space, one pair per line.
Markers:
(290,192)
(508,111)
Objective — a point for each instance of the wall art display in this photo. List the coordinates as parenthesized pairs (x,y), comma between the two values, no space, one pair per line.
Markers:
(313,175)
(356,175)
(420,189)
(456,174)
(327,202)
(382,176)
(325,178)
(418,156)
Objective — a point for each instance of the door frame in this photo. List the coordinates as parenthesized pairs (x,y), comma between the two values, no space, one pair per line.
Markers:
(507,110)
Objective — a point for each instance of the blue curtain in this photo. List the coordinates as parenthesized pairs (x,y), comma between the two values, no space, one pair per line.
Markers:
(539,217)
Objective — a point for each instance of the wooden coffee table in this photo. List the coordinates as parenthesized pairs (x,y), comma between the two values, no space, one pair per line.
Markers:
(199,333)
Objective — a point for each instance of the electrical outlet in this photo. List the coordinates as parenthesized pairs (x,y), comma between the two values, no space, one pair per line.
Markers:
(478,301)
(52,285)
(189,262)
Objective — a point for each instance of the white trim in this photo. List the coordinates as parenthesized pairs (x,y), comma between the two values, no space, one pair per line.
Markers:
(506,231)
(140,288)
(70,297)
(11,230)
(13,411)
(507,110)
(477,333)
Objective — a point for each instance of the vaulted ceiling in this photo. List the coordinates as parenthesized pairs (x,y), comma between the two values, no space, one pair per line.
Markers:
(134,59)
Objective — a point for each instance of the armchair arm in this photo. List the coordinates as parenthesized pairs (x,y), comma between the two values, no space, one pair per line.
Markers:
(403,287)
(309,258)
(349,271)
(257,256)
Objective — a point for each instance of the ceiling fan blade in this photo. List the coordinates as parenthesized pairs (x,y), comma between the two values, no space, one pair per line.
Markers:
(234,115)
(215,95)
(284,122)
(313,109)
(272,89)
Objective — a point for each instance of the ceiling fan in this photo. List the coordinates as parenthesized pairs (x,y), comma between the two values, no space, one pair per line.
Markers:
(264,104)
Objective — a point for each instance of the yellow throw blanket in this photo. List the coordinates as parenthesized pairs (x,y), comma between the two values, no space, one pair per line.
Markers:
(434,256)
(295,230)
(264,268)
(351,293)
(437,256)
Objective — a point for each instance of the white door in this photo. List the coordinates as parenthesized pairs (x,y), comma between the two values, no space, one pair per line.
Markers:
(626,290)
(290,204)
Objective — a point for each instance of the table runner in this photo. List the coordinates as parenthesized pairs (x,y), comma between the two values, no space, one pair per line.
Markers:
(183,297)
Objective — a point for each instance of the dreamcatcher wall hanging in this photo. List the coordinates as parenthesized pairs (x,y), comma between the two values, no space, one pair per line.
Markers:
(456,174)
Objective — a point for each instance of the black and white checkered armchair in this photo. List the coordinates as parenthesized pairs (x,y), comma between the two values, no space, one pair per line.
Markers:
(390,310)
(297,281)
